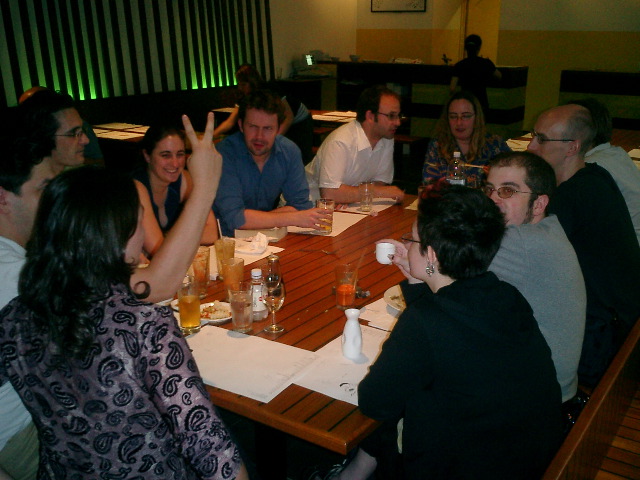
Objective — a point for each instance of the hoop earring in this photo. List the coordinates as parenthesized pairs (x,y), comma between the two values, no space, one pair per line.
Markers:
(430,269)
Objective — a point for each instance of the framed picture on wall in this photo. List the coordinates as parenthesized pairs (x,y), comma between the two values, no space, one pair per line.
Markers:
(398,5)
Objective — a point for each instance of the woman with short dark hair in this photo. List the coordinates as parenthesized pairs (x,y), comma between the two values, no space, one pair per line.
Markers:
(465,366)
(109,380)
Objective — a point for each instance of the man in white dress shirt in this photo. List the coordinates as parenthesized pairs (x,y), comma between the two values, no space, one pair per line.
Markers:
(359,151)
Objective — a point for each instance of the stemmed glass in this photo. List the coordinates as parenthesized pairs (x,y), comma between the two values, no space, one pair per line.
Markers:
(273,294)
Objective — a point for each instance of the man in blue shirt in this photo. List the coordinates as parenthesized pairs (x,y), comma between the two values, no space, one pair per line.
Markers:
(258,166)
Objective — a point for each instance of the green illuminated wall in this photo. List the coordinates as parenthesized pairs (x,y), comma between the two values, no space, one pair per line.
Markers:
(105,48)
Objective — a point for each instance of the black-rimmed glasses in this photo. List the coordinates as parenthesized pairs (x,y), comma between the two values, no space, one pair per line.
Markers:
(408,238)
(393,116)
(503,192)
(76,132)
(541,138)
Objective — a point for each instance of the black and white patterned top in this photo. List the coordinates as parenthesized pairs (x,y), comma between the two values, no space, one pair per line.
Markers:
(135,407)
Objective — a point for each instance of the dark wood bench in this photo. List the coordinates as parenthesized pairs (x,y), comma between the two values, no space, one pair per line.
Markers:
(584,449)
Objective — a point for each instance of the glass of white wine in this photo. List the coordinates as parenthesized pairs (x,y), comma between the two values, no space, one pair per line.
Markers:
(273,293)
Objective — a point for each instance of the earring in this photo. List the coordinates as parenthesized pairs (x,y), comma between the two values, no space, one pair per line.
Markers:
(430,269)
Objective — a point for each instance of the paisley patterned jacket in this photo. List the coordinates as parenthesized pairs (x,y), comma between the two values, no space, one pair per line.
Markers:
(135,407)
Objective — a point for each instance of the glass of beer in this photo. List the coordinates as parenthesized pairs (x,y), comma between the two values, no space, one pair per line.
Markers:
(232,272)
(345,286)
(189,306)
(225,248)
(200,267)
(326,225)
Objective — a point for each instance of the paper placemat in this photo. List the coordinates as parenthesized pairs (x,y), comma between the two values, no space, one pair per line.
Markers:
(119,135)
(378,205)
(338,377)
(348,113)
(380,315)
(251,366)
(413,206)
(117,126)
(341,221)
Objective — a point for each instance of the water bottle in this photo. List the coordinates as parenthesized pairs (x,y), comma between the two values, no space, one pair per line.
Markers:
(258,308)
(456,171)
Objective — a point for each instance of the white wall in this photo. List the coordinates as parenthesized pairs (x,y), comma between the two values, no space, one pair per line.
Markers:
(302,25)
(571,15)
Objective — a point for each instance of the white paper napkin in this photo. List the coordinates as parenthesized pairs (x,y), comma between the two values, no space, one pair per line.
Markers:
(255,245)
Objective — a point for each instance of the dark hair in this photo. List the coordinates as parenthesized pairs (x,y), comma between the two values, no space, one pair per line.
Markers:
(369,99)
(37,115)
(447,143)
(76,253)
(472,45)
(264,100)
(600,117)
(18,157)
(158,132)
(579,125)
(248,73)
(462,225)
(539,175)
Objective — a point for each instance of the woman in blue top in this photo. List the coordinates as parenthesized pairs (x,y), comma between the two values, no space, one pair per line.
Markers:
(164,185)
(461,128)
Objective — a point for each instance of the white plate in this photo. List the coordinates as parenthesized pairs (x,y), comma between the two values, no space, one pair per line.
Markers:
(205,321)
(393,297)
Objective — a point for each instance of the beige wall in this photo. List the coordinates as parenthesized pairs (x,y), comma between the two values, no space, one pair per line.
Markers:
(546,35)
(556,36)
(302,25)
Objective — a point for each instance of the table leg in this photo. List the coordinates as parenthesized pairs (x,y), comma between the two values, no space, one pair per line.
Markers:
(271,452)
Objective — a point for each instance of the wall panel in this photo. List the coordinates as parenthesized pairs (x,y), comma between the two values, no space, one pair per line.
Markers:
(104,48)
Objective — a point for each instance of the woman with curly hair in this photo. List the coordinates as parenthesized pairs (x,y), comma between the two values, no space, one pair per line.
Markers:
(461,128)
(109,380)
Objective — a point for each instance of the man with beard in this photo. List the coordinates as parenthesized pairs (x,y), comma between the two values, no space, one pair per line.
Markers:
(258,166)
(359,151)
(537,258)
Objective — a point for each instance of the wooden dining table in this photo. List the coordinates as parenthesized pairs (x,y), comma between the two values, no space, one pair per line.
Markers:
(311,320)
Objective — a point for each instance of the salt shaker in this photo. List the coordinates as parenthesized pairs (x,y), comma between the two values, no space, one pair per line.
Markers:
(352,335)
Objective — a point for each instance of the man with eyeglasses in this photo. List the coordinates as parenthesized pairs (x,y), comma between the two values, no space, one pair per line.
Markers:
(595,218)
(359,151)
(537,258)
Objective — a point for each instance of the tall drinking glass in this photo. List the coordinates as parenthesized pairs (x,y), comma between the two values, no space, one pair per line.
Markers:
(273,294)
(189,306)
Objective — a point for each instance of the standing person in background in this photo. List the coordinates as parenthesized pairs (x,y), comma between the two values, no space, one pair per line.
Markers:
(297,125)
(461,128)
(164,185)
(613,159)
(474,72)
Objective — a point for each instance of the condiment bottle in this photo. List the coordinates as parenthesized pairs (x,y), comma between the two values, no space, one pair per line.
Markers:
(352,335)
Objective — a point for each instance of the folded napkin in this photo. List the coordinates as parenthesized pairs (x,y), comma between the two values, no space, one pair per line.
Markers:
(255,245)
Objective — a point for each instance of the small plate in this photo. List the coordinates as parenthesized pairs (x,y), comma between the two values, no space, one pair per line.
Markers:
(393,297)
(205,321)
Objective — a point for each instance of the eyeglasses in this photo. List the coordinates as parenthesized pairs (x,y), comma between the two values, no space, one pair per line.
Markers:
(541,138)
(393,116)
(464,116)
(408,238)
(503,192)
(76,132)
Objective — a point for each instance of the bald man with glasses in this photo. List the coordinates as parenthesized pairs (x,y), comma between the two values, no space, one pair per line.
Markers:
(594,215)
(537,258)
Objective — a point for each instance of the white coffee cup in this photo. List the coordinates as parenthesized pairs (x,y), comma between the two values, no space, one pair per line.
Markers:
(383,250)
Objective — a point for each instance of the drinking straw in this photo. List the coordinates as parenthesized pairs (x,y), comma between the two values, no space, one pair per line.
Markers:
(355,275)
(219,228)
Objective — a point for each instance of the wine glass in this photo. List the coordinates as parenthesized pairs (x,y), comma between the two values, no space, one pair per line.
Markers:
(273,293)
